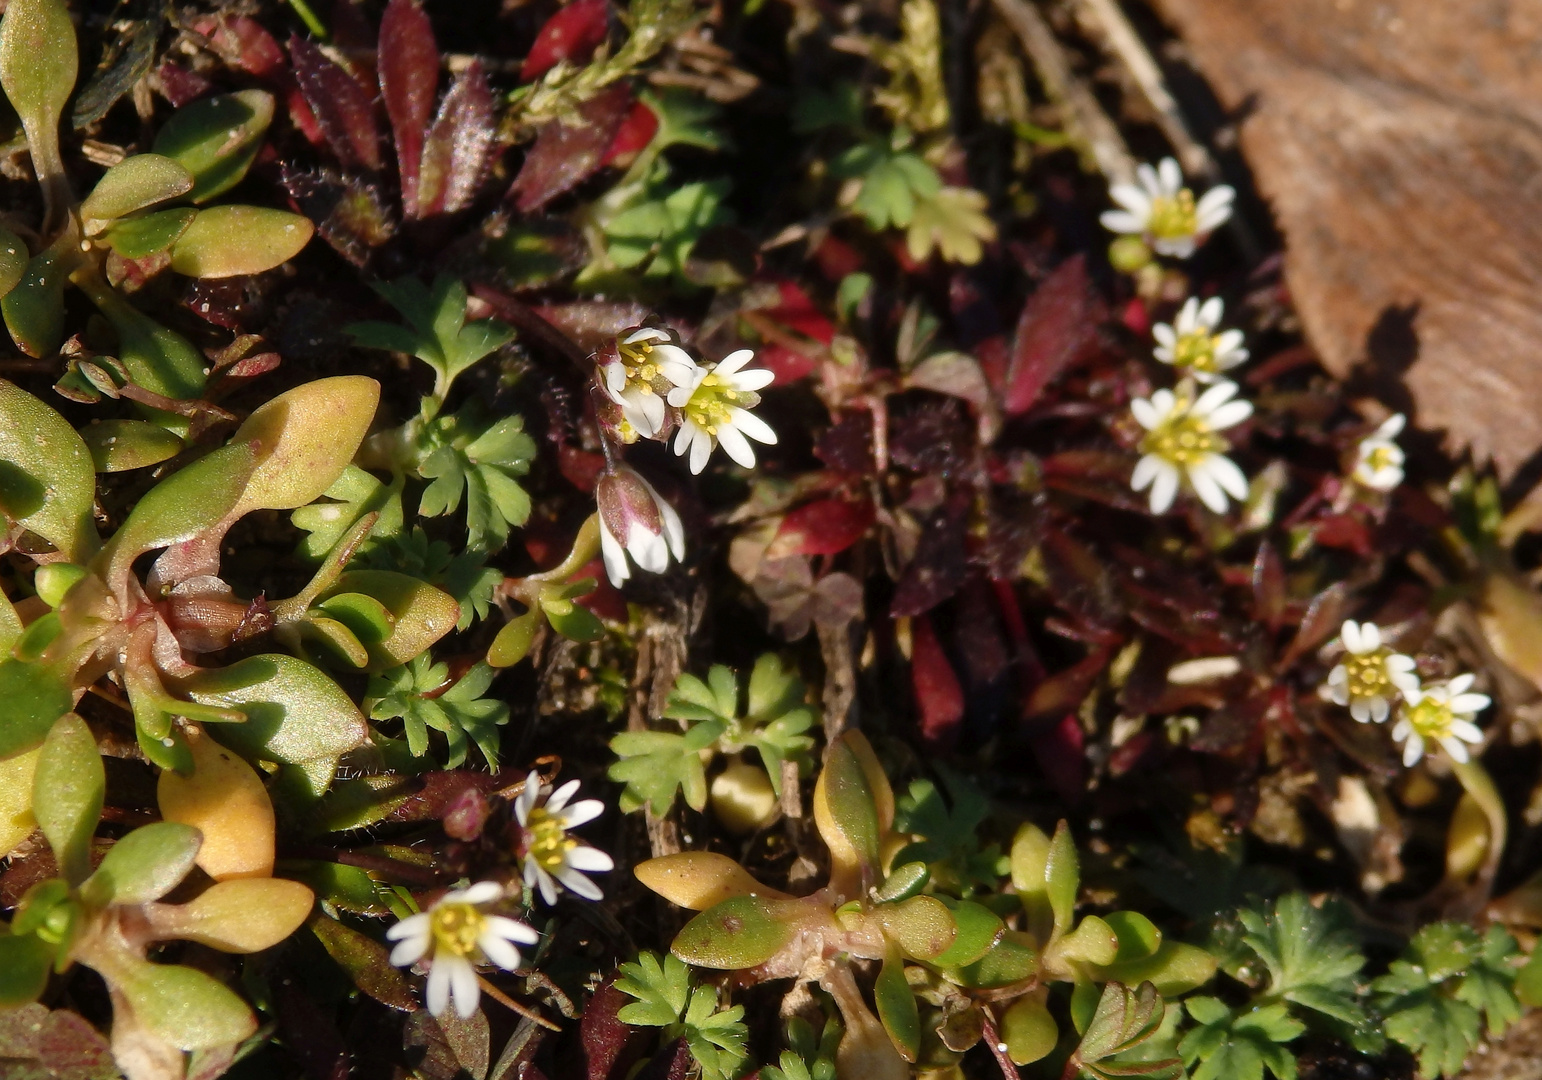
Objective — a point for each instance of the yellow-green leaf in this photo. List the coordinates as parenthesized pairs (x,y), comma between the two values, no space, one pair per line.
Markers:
(47,481)
(228,241)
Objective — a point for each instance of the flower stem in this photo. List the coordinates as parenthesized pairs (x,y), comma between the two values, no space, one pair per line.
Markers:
(509,1003)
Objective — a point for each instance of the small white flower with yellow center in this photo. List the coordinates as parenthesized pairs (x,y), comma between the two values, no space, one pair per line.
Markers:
(1182,443)
(715,408)
(1370,675)
(554,860)
(635,520)
(1192,345)
(1160,210)
(1443,712)
(647,366)
(454,936)
(1378,458)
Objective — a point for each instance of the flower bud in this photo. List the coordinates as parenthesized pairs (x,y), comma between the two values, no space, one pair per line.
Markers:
(635,521)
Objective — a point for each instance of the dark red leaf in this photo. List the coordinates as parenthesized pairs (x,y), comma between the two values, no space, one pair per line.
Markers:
(825,527)
(581,468)
(787,365)
(303,117)
(1345,531)
(1136,318)
(308,1030)
(565,155)
(847,446)
(1323,619)
(591,322)
(179,85)
(345,111)
(937,570)
(349,213)
(1065,689)
(1079,581)
(1128,755)
(1060,751)
(409,81)
(456,154)
(573,33)
(242,43)
(1058,327)
(635,133)
(674,1062)
(939,697)
(441,790)
(800,314)
(836,258)
(1268,587)
(611,1047)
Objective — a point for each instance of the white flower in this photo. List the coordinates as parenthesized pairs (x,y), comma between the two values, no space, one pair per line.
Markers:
(647,366)
(553,859)
(1181,444)
(635,520)
(1161,210)
(714,408)
(454,935)
(1378,458)
(1371,674)
(1192,344)
(1443,712)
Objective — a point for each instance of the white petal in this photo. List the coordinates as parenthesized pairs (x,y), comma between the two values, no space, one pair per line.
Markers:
(1225,472)
(411,950)
(615,562)
(751,425)
(591,860)
(1469,704)
(463,985)
(701,450)
(581,813)
(1146,413)
(753,379)
(645,333)
(1413,750)
(1133,198)
(511,929)
(1380,709)
(1460,683)
(674,532)
(547,884)
(527,797)
(1214,398)
(685,435)
(1165,488)
(1164,334)
(411,926)
(438,996)
(1360,709)
(650,407)
(649,550)
(1397,664)
(1391,427)
(615,379)
(1211,311)
(735,445)
(733,362)
(1370,636)
(1229,415)
(1178,247)
(1455,748)
(1165,402)
(579,885)
(1146,470)
(1205,486)
(1171,176)
(1467,731)
(1228,341)
(560,797)
(1350,634)
(498,951)
(1122,221)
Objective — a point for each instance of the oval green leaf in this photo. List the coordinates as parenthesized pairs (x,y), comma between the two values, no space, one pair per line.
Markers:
(216,138)
(922,926)
(67,791)
(156,357)
(897,1009)
(844,809)
(906,881)
(25,961)
(47,483)
(1138,935)
(1028,1030)
(228,241)
(38,67)
(1175,968)
(1010,961)
(1092,942)
(422,614)
(13,260)
(34,307)
(182,1007)
(148,234)
(513,641)
(120,445)
(145,865)
(738,933)
(1062,877)
(133,184)
(32,698)
(304,439)
(978,931)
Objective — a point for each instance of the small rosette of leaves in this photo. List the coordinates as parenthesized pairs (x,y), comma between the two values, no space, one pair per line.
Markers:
(665,999)
(654,765)
(463,455)
(1450,984)
(416,694)
(807,1057)
(1228,1045)
(465,576)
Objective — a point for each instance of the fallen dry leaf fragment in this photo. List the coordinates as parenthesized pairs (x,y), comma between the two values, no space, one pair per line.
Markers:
(1399,143)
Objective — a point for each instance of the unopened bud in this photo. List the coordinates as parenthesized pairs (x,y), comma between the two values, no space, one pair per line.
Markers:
(635,521)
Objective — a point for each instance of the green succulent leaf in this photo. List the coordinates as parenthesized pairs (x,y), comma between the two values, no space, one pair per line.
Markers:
(120,445)
(419,614)
(13,260)
(38,67)
(135,183)
(156,357)
(143,235)
(465,576)
(32,698)
(459,713)
(34,306)
(1228,1046)
(737,933)
(47,481)
(897,1008)
(183,1007)
(231,241)
(67,792)
(143,866)
(1029,1031)
(25,962)
(216,139)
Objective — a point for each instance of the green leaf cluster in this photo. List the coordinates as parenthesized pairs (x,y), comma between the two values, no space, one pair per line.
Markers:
(1229,1045)
(893,182)
(465,576)
(1121,1022)
(465,455)
(774,722)
(665,999)
(415,694)
(807,1057)
(657,234)
(1449,985)
(949,831)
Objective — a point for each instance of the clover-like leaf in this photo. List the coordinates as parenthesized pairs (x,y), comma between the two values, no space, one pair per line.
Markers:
(655,764)
(415,693)
(468,457)
(1239,1046)
(351,496)
(1313,956)
(437,332)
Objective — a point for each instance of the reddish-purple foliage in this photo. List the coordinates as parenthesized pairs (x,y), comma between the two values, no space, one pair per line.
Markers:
(408,63)
(565,155)
(456,154)
(939,697)
(610,1046)
(571,34)
(938,568)
(344,110)
(823,527)
(1058,327)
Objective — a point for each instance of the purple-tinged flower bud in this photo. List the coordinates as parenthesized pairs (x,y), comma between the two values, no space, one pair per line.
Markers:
(636,521)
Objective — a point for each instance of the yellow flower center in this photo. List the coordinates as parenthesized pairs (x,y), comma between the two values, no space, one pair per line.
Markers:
(639,368)
(1431,719)
(1195,350)
(547,841)
(1183,439)
(1173,218)
(1368,676)
(1381,457)
(710,405)
(456,928)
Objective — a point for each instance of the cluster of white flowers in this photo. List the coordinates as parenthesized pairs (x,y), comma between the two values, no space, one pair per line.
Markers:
(1164,213)
(1372,677)
(649,375)
(456,934)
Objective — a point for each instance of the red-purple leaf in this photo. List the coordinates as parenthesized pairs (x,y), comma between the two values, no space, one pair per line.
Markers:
(571,34)
(937,569)
(242,43)
(1058,327)
(674,1062)
(939,697)
(1323,619)
(825,527)
(179,85)
(1268,587)
(342,107)
(565,155)
(635,133)
(456,153)
(611,1047)
(1060,750)
(409,81)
